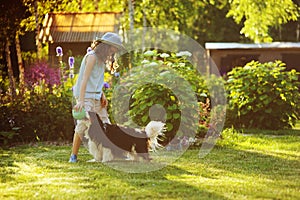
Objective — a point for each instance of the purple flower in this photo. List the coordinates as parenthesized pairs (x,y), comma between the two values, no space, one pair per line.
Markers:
(89,49)
(71,76)
(106,85)
(59,51)
(117,74)
(71,62)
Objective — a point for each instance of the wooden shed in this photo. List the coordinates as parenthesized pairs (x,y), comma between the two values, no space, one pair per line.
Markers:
(228,55)
(74,31)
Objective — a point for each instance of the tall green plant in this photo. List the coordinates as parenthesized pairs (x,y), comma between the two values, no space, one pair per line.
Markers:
(162,86)
(263,95)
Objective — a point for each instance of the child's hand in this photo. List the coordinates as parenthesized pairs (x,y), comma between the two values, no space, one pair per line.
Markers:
(79,106)
(104,101)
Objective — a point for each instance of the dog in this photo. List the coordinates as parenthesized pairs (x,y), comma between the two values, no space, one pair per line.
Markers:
(107,141)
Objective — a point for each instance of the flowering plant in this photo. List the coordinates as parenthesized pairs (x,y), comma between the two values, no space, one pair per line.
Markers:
(59,51)
(41,71)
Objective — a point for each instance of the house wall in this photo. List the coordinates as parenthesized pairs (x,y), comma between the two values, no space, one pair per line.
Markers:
(226,59)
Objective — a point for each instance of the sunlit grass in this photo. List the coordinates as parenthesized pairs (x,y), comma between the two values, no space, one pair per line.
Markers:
(238,167)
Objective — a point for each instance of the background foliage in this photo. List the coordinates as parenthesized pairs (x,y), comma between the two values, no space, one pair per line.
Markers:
(155,83)
(39,112)
(166,86)
(263,95)
(43,109)
(272,14)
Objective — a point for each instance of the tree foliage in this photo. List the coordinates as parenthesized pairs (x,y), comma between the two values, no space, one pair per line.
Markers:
(259,16)
(201,20)
(10,19)
(38,9)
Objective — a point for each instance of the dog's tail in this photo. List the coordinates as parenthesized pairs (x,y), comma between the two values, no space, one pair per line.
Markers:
(153,130)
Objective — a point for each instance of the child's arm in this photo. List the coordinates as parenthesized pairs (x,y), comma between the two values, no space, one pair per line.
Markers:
(90,62)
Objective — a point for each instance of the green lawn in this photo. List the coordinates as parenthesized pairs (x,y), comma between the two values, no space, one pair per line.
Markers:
(238,167)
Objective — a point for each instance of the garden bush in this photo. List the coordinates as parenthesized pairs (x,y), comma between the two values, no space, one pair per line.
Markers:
(163,86)
(38,112)
(263,95)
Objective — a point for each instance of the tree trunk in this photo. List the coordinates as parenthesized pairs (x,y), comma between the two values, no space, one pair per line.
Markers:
(131,27)
(298,32)
(131,15)
(144,30)
(20,62)
(96,4)
(37,30)
(12,82)
(80,4)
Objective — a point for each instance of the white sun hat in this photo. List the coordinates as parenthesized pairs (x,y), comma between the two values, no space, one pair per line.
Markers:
(111,39)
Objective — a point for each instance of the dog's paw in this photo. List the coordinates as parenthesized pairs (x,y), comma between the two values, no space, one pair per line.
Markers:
(93,160)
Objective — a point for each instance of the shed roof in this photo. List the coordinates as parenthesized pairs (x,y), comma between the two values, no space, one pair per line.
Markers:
(232,45)
(77,26)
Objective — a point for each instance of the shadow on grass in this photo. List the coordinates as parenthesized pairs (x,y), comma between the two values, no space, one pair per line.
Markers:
(7,166)
(284,132)
(97,178)
(50,163)
(251,162)
(157,185)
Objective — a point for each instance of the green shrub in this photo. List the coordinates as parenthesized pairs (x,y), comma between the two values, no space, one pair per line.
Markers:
(41,113)
(263,95)
(164,87)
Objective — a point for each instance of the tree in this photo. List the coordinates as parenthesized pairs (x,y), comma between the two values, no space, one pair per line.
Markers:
(259,16)
(10,19)
(211,24)
(38,9)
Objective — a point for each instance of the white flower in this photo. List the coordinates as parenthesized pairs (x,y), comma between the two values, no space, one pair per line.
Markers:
(152,64)
(203,95)
(149,53)
(184,53)
(169,64)
(164,55)
(145,62)
(181,64)
(164,73)
(192,140)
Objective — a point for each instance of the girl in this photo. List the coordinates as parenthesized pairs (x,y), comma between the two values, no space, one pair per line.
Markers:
(88,88)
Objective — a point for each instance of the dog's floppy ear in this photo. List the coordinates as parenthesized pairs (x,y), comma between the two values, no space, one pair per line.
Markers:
(94,117)
(96,128)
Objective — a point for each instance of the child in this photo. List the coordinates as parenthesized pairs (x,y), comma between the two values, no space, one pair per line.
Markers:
(88,88)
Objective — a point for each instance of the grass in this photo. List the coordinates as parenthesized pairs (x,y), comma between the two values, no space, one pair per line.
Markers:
(238,167)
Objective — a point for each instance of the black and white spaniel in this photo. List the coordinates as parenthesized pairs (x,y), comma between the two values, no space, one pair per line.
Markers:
(108,141)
